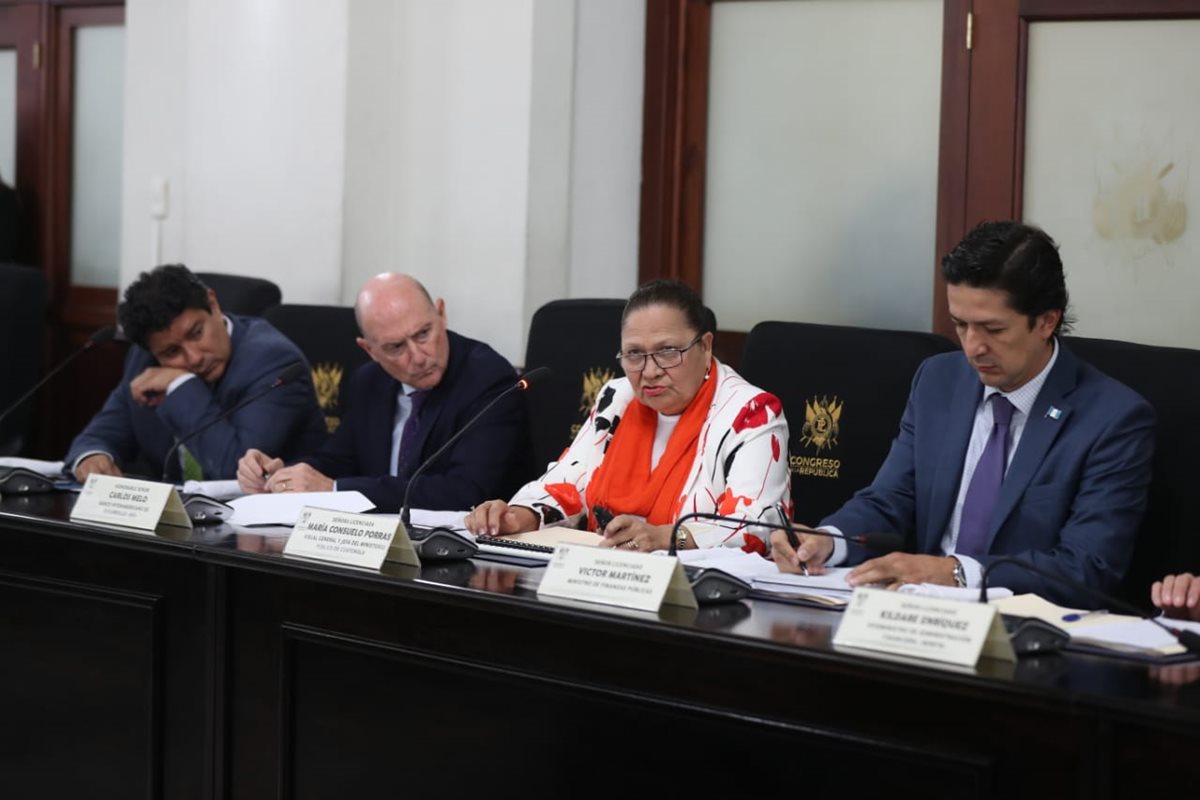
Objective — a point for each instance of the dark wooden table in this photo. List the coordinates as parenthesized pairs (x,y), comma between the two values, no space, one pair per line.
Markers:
(208,665)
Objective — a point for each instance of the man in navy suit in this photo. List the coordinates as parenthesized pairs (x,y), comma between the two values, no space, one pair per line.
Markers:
(423,384)
(1067,447)
(189,364)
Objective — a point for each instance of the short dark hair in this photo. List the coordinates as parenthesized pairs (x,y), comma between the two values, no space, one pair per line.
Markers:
(675,295)
(1020,260)
(156,298)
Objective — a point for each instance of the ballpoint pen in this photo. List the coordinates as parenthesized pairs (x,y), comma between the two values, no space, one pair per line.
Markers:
(792,540)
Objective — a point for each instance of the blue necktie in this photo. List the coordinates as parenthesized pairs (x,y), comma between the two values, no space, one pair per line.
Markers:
(409,446)
(984,490)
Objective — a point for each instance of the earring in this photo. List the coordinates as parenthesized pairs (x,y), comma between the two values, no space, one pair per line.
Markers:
(708,371)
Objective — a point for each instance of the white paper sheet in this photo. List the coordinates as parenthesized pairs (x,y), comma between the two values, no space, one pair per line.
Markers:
(1139,635)
(953,592)
(735,561)
(284,508)
(834,580)
(217,490)
(51,469)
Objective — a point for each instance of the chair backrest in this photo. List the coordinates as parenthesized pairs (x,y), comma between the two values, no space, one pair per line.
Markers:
(326,335)
(22,321)
(578,340)
(1169,538)
(843,390)
(238,294)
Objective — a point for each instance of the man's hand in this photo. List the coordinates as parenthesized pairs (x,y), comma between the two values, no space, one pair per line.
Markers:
(150,388)
(1178,596)
(253,470)
(808,558)
(898,568)
(298,478)
(498,518)
(99,463)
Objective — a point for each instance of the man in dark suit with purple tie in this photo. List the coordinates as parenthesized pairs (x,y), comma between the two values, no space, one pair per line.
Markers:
(1013,447)
(424,382)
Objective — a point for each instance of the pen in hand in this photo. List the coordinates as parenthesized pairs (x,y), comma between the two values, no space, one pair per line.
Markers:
(794,541)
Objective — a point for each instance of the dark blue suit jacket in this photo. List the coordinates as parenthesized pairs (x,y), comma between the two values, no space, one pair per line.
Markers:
(286,420)
(490,460)
(1072,498)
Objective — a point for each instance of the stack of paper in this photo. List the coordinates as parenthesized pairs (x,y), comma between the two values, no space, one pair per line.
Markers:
(1118,633)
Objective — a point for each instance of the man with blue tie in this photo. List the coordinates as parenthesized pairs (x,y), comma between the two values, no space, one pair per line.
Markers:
(192,373)
(1012,447)
(423,383)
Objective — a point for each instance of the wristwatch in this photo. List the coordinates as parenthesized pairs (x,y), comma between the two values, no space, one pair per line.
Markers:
(960,574)
(681,538)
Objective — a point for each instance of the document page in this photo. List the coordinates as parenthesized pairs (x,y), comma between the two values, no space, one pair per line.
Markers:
(284,508)
(51,469)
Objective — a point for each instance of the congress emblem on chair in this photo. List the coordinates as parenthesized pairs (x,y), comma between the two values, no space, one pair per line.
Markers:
(593,380)
(821,418)
(327,381)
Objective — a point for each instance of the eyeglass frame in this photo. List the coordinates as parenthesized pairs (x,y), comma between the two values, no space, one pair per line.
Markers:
(681,350)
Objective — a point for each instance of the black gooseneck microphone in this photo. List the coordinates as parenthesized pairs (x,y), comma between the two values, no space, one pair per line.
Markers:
(290,373)
(101,336)
(883,542)
(1189,639)
(530,378)
(713,585)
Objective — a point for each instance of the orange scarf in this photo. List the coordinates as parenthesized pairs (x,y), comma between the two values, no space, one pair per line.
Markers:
(624,482)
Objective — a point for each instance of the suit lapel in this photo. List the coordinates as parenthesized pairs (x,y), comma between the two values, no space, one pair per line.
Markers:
(379,426)
(1041,430)
(948,472)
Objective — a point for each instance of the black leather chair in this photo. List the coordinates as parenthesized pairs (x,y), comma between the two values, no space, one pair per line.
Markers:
(239,294)
(326,335)
(1169,537)
(843,390)
(579,340)
(22,321)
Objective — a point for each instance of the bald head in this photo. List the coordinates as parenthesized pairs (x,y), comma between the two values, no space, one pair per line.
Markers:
(403,329)
(389,290)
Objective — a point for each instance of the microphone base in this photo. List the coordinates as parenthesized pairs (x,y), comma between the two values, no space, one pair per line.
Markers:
(204,510)
(441,544)
(713,586)
(18,480)
(1032,636)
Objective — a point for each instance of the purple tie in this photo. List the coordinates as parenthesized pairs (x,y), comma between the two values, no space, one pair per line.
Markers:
(985,483)
(409,446)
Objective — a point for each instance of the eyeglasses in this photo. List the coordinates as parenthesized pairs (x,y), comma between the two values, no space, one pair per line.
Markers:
(666,358)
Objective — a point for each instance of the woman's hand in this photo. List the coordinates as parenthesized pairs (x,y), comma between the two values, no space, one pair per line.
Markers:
(498,518)
(634,533)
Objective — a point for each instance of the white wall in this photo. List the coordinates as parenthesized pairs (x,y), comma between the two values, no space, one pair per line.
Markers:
(437,164)
(266,142)
(606,157)
(154,135)
(492,149)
